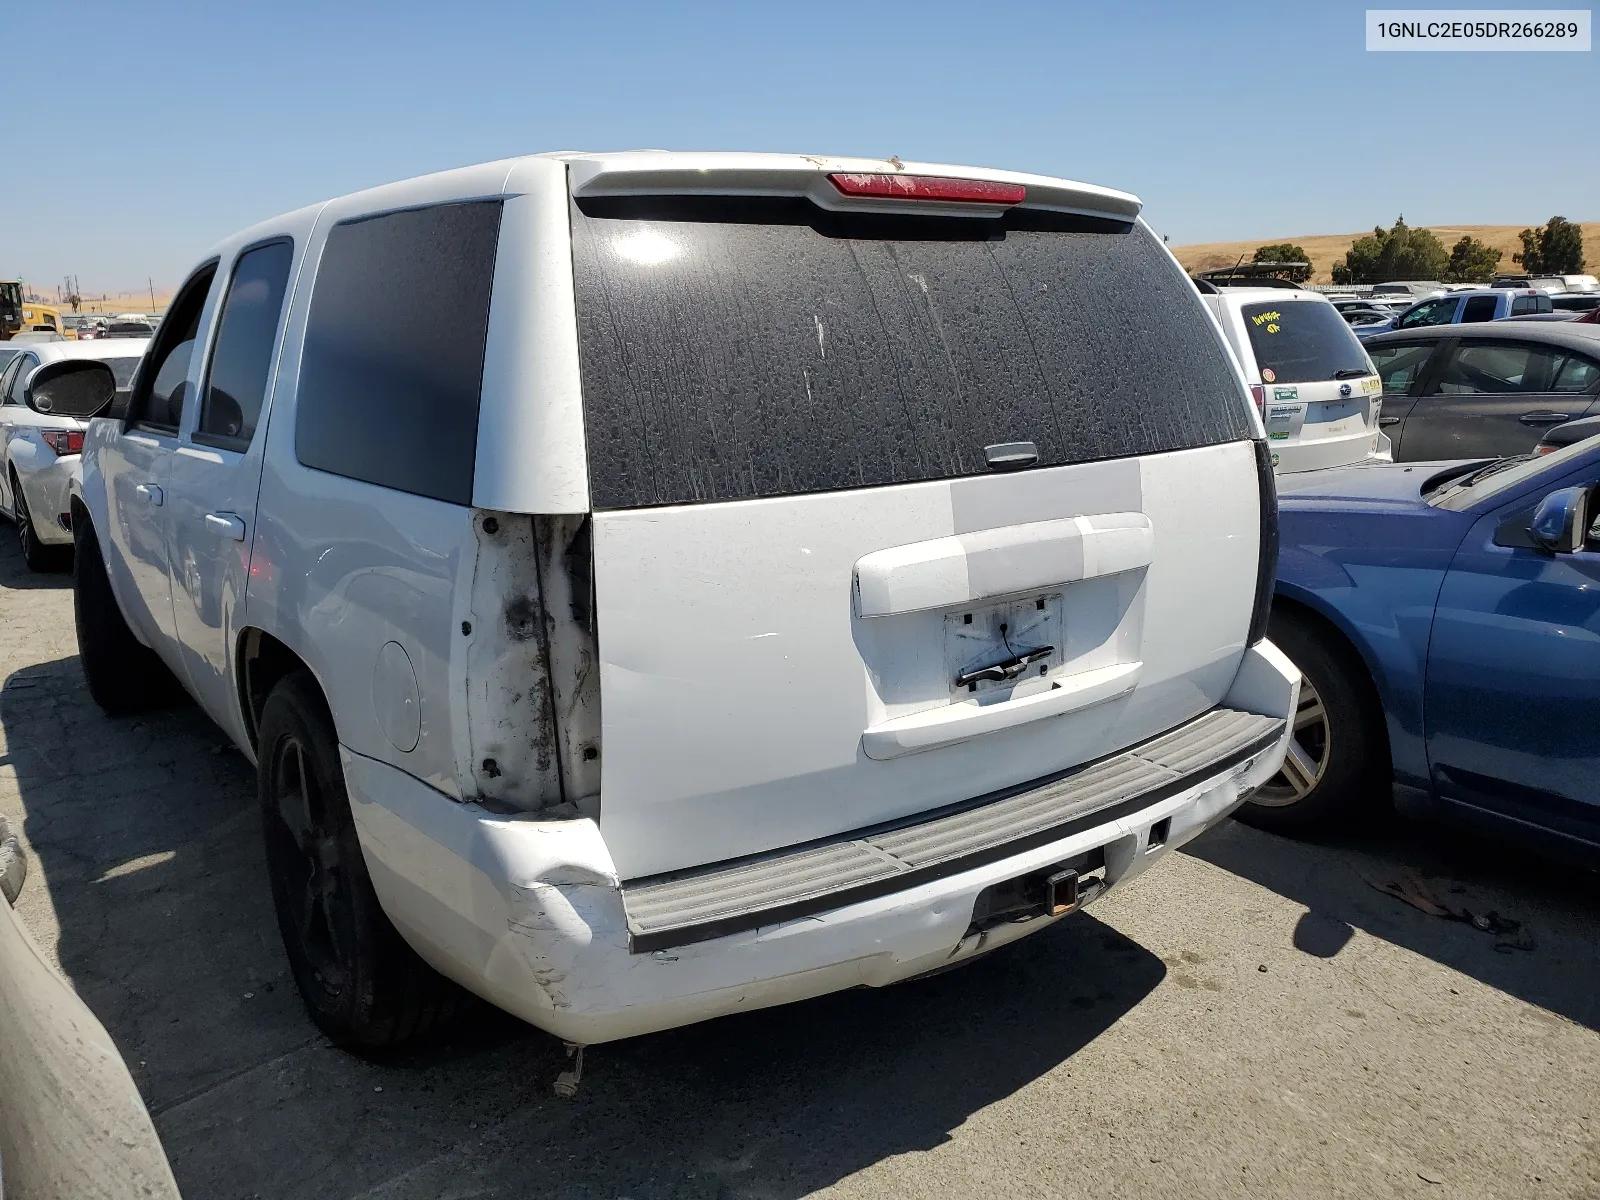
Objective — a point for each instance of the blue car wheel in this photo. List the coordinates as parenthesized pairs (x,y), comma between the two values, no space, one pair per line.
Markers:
(1338,759)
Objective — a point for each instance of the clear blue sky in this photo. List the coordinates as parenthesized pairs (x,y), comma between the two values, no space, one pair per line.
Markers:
(165,126)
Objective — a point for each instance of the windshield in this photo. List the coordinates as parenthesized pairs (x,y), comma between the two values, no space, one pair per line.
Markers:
(1302,342)
(1503,474)
(740,348)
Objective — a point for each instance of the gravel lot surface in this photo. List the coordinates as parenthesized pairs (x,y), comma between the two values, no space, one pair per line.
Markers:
(1252,1018)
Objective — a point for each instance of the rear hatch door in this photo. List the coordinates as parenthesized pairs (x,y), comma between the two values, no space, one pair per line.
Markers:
(818,606)
(1321,390)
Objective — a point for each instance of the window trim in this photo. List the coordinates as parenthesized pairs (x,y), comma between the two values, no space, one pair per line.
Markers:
(13,374)
(215,441)
(144,379)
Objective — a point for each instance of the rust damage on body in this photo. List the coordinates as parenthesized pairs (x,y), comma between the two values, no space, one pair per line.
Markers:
(533,706)
(566,576)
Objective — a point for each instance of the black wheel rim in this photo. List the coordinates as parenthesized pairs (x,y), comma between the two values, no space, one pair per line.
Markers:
(24,522)
(310,859)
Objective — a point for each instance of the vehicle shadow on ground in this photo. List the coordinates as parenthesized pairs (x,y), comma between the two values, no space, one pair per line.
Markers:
(1550,959)
(145,839)
(15,574)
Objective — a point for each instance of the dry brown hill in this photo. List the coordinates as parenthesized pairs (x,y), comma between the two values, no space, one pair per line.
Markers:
(1325,249)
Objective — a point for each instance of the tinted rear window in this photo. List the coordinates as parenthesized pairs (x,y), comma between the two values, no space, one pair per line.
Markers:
(735,349)
(1301,341)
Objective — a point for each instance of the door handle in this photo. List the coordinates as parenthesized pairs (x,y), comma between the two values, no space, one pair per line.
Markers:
(1388,420)
(1544,417)
(226,524)
(150,494)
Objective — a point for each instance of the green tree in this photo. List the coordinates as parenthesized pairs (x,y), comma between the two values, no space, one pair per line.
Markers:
(1555,248)
(1284,252)
(1389,254)
(1471,262)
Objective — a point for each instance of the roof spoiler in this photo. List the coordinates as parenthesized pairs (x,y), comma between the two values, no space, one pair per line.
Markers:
(634,174)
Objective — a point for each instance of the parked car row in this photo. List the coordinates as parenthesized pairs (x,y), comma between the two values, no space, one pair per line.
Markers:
(1463,307)
(652,586)
(1483,391)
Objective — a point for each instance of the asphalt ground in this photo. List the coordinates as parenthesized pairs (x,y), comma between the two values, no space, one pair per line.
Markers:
(1253,1017)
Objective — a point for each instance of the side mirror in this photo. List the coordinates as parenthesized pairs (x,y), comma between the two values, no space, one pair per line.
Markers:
(1558,523)
(72,387)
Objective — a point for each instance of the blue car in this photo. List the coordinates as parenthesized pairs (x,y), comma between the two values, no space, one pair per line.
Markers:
(1446,619)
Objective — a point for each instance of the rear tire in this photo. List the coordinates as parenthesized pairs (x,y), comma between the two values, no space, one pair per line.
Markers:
(35,553)
(1338,762)
(124,675)
(362,984)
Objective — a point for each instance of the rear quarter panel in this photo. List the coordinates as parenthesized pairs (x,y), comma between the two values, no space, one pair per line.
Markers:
(1374,574)
(340,568)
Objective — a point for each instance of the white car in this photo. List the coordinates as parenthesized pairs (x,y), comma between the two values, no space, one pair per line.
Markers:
(654,586)
(39,451)
(1318,392)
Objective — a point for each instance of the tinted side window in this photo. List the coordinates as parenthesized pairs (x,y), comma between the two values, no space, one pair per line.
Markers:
(393,362)
(1496,368)
(1434,312)
(159,388)
(1479,308)
(236,382)
(1399,366)
(1574,373)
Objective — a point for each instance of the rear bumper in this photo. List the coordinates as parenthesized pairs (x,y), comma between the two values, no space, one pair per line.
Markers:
(1314,455)
(530,914)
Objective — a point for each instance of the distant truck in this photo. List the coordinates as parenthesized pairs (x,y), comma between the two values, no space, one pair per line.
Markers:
(18,315)
(10,308)
(1480,304)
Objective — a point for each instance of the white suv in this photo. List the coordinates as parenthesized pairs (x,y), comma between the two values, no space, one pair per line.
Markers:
(1318,392)
(658,585)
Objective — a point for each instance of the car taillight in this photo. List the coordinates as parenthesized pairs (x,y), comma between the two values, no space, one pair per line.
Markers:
(926,187)
(1267,556)
(1544,448)
(63,441)
(1259,395)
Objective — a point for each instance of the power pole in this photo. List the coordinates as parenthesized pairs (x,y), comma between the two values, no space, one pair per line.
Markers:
(152,284)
